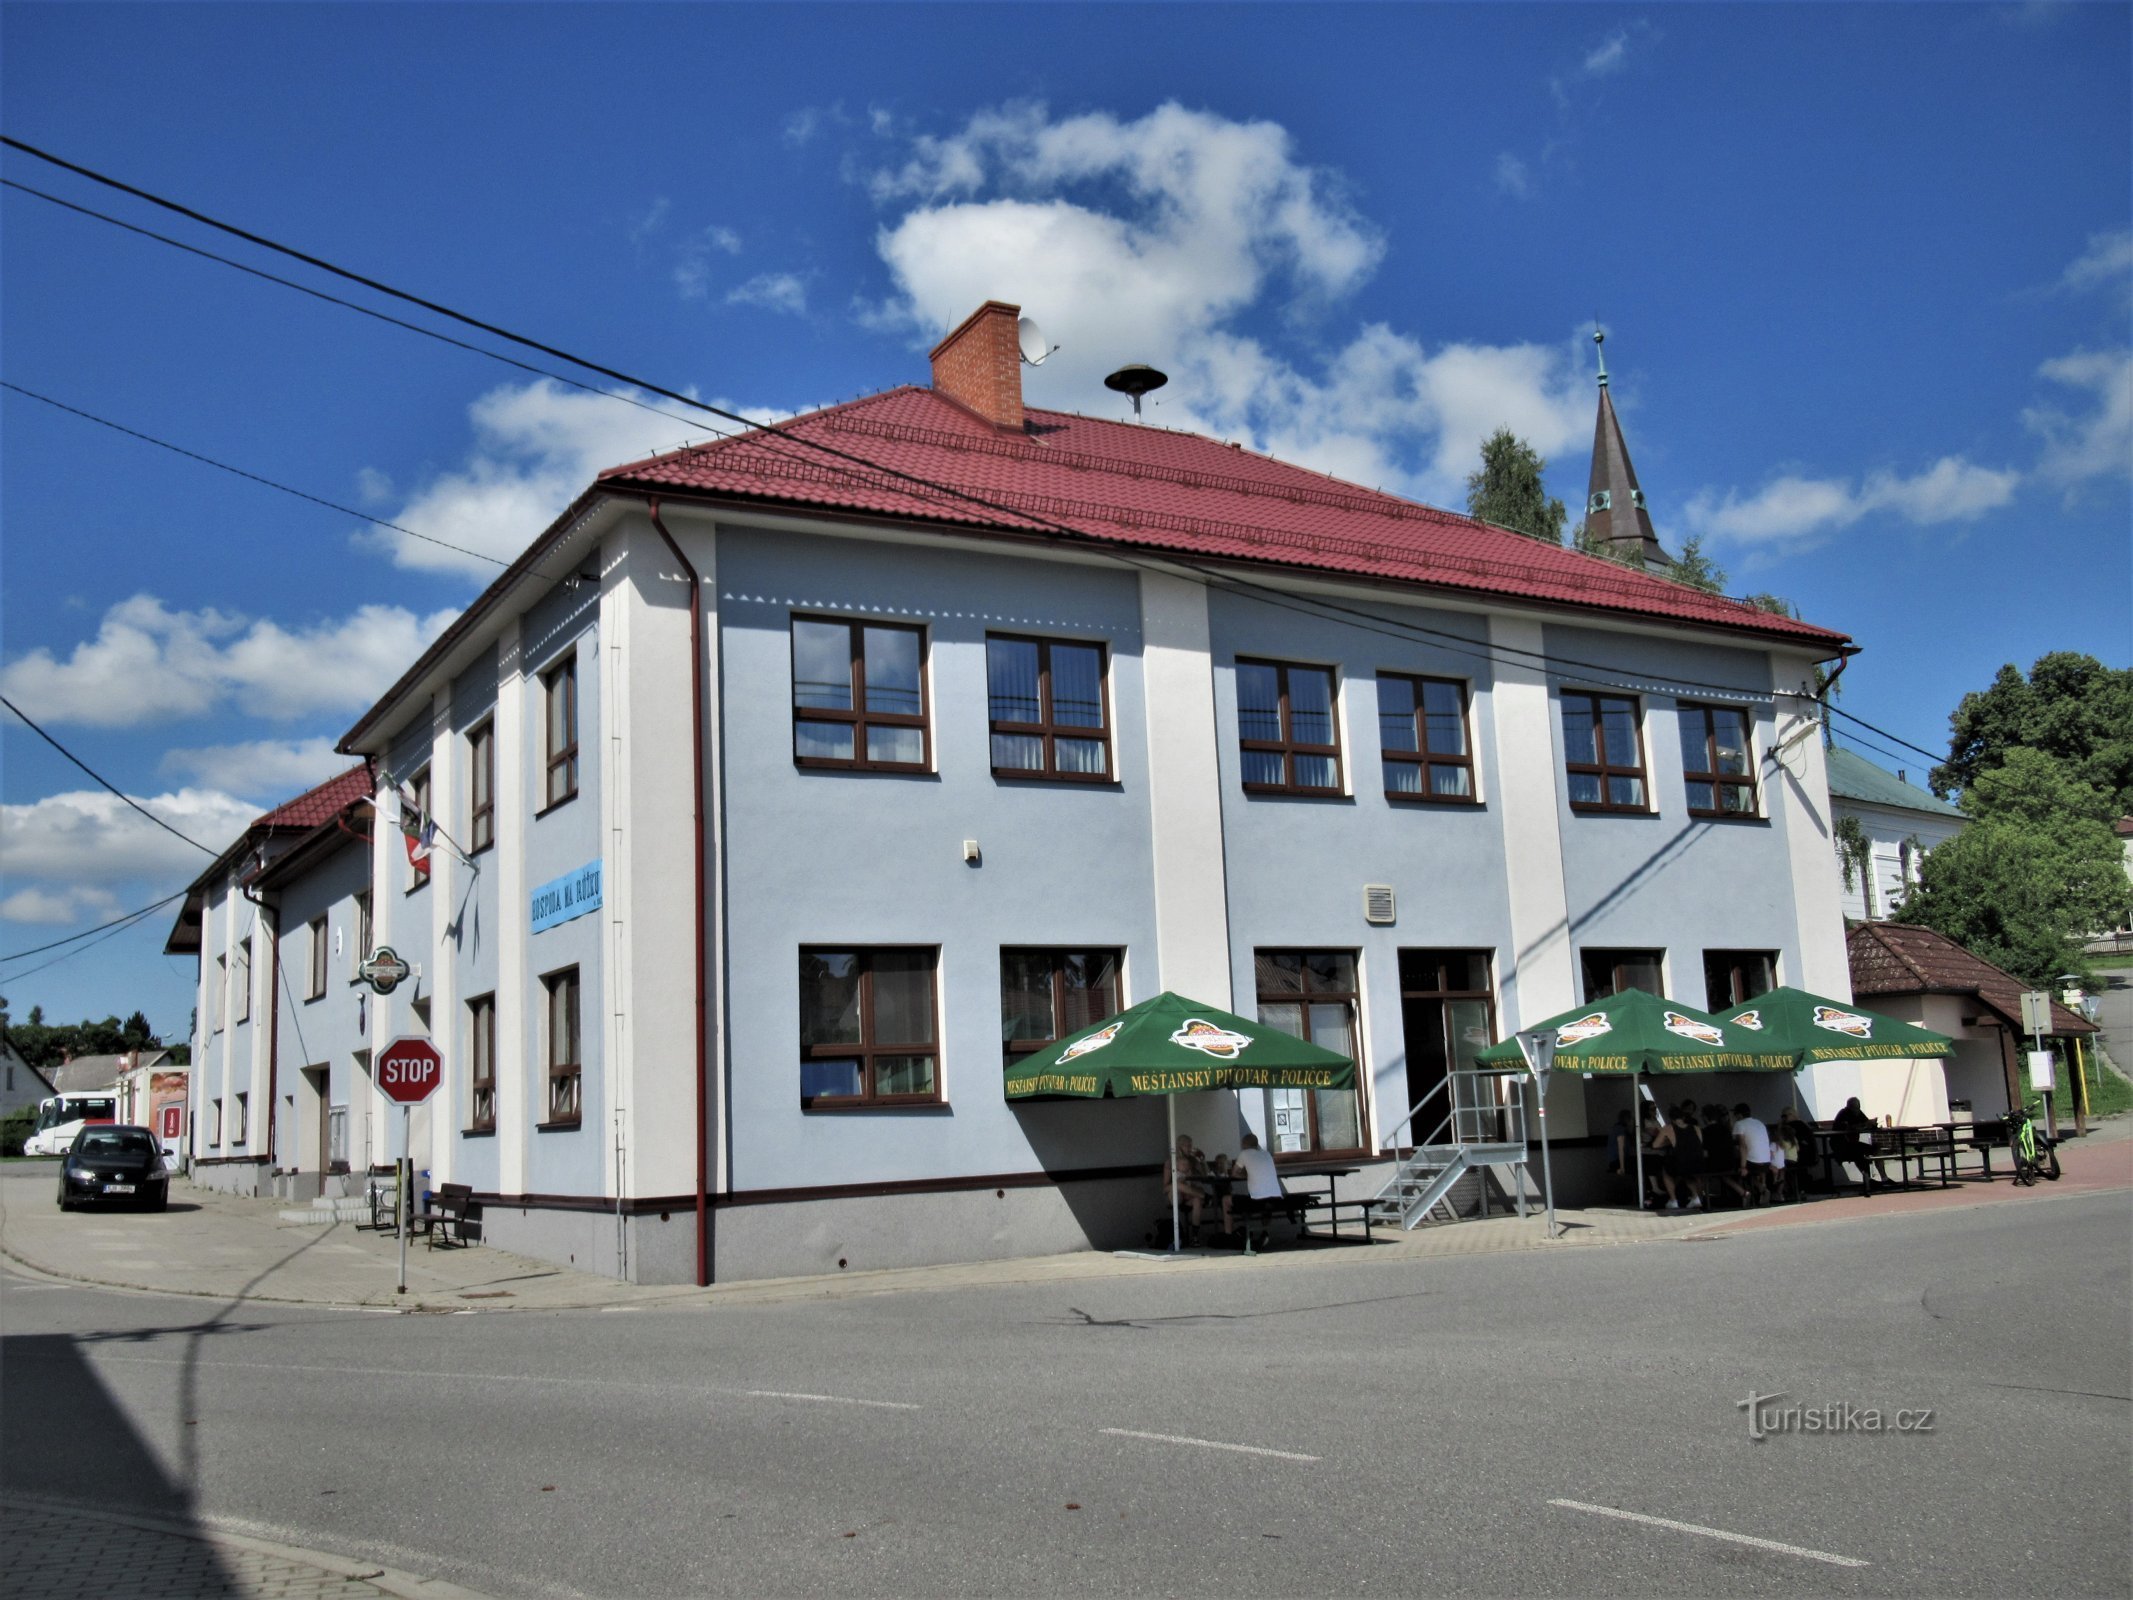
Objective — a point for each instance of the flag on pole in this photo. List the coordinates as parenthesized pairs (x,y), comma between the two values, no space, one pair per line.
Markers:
(418,830)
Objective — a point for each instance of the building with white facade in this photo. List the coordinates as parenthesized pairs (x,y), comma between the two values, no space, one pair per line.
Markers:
(1899,824)
(788,785)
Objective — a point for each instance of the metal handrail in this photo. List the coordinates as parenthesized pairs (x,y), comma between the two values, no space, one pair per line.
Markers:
(1467,1116)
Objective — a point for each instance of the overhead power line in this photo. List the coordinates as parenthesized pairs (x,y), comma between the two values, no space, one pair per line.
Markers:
(101,780)
(1024,521)
(1870,728)
(224,466)
(115,931)
(127,920)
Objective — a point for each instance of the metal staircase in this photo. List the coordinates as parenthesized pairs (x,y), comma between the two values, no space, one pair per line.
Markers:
(1477,1122)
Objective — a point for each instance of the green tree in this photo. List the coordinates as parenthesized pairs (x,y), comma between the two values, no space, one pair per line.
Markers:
(1698,570)
(2037,871)
(2070,706)
(1508,491)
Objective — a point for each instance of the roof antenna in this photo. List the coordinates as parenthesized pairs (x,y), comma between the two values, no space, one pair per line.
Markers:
(1599,345)
(1136,380)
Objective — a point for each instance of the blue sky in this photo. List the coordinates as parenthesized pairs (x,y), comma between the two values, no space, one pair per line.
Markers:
(1867,271)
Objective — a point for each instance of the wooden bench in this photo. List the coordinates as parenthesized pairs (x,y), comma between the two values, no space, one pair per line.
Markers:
(449,1216)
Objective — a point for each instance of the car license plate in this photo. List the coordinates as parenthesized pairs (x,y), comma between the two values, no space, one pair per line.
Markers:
(118,1188)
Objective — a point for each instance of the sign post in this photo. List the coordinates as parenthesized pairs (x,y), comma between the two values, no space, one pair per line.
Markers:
(2037,1022)
(408,1072)
(1539,1050)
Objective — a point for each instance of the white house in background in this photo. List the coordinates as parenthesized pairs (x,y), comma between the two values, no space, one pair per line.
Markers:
(1902,824)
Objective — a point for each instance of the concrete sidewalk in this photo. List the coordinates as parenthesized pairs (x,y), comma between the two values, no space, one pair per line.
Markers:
(233,1249)
(57,1551)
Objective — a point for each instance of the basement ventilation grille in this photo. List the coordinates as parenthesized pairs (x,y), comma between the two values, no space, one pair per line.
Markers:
(1377,902)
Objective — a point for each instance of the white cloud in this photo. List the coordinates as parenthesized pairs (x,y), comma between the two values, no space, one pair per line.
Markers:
(68,850)
(373,486)
(535,447)
(57,907)
(1512,175)
(651,220)
(1801,511)
(149,663)
(263,769)
(2097,441)
(772,291)
(692,267)
(2108,259)
(1151,240)
(1609,56)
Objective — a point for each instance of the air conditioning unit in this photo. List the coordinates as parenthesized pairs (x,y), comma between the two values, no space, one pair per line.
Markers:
(1377,903)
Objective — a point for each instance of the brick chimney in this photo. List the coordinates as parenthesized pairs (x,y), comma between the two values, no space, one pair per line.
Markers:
(980,365)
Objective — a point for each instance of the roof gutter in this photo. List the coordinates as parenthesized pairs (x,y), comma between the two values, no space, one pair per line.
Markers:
(696,830)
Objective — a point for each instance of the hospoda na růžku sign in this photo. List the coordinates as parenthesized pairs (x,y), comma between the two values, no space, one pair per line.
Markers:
(560,899)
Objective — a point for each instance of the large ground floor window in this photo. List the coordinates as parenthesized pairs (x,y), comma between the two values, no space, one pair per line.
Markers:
(869,1029)
(1731,977)
(1049,994)
(1447,1013)
(1609,972)
(1312,994)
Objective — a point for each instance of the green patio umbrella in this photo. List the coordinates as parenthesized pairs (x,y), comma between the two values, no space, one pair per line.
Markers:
(1809,1028)
(1634,1032)
(1169,1046)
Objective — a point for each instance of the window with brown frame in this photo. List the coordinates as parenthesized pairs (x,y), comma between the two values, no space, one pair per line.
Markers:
(361,952)
(219,1001)
(1050,994)
(1313,995)
(1733,977)
(418,872)
(1047,704)
(1286,730)
(564,1106)
(315,984)
(240,1118)
(1609,972)
(1603,747)
(241,986)
(868,1029)
(1422,731)
(481,787)
(559,686)
(859,695)
(1715,759)
(214,1138)
(481,1064)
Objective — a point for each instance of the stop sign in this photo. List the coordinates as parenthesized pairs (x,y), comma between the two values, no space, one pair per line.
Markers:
(409,1071)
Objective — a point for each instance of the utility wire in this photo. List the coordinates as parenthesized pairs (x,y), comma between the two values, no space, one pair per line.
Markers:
(358,307)
(101,779)
(127,922)
(1870,728)
(131,916)
(224,466)
(862,463)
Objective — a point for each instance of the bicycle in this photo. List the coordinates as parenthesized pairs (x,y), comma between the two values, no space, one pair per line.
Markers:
(2035,1156)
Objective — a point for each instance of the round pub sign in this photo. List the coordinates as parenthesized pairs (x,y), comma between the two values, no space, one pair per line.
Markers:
(409,1070)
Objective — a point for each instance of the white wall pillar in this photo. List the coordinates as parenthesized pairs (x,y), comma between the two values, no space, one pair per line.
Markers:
(439,1120)
(1184,791)
(514,1116)
(1800,784)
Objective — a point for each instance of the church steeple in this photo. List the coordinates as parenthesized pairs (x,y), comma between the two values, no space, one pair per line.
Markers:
(1615,516)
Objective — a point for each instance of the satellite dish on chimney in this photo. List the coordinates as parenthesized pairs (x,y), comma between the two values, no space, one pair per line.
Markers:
(1031,338)
(1136,380)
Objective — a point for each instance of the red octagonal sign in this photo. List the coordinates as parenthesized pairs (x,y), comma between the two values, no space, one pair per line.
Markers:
(409,1071)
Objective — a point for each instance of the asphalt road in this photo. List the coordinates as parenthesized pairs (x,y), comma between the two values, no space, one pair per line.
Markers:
(1450,1426)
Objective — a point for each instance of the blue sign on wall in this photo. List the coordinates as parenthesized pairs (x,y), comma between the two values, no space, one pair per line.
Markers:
(571,895)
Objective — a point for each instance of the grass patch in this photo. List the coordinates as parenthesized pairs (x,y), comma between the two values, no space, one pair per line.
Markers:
(2108,1092)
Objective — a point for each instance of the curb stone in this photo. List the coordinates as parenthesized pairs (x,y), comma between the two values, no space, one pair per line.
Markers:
(384,1580)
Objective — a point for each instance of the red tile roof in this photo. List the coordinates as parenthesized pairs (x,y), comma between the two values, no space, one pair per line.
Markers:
(322,804)
(1160,491)
(1890,958)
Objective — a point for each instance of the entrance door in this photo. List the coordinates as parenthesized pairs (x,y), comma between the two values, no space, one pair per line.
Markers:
(317,1091)
(1447,1013)
(360,1103)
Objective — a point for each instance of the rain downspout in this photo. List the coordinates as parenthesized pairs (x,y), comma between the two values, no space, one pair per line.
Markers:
(696,778)
(273,936)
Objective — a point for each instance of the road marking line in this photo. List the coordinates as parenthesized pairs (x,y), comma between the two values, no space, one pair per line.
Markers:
(1208,1444)
(1713,1533)
(832,1399)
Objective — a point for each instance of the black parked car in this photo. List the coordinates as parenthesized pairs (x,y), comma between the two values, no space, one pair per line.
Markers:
(114,1163)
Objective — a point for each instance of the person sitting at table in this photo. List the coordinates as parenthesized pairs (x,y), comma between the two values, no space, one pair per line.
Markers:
(1185,1181)
(1222,1177)
(1853,1145)
(1780,1172)
(1619,1155)
(1262,1179)
(1721,1157)
(1801,1156)
(1752,1136)
(1681,1145)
